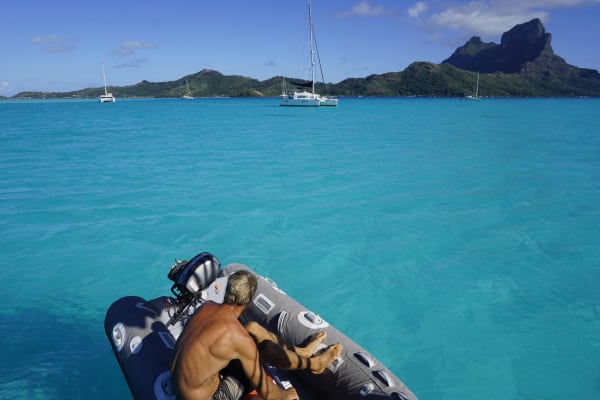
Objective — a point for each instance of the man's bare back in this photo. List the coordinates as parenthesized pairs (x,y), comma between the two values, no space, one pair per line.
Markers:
(204,348)
(214,337)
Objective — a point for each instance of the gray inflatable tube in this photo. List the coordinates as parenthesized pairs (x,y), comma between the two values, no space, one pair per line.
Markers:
(143,334)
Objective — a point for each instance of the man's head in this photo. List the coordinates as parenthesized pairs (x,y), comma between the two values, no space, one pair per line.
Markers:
(241,287)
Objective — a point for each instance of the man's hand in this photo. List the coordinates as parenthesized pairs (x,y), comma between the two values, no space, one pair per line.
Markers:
(291,394)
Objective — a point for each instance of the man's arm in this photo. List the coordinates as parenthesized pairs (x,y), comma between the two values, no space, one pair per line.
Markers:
(250,359)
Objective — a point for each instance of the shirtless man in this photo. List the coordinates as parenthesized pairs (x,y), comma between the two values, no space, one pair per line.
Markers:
(214,337)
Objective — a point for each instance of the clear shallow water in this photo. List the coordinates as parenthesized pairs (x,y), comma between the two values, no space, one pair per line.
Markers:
(458,242)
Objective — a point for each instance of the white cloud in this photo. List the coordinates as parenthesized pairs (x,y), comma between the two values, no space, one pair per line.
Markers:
(128,47)
(5,87)
(417,9)
(487,18)
(542,4)
(364,9)
(137,63)
(60,48)
(39,39)
(53,43)
(481,19)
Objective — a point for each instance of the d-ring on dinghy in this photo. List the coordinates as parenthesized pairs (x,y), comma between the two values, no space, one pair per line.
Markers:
(143,334)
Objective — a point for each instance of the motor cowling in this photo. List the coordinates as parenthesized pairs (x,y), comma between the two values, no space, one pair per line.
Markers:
(193,276)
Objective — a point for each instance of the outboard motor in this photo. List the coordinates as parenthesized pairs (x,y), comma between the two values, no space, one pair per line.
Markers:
(191,277)
(143,333)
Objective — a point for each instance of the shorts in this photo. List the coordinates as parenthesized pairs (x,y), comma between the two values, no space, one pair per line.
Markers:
(229,389)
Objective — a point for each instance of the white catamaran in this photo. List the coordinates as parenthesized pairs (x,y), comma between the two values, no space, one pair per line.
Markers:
(106,97)
(306,98)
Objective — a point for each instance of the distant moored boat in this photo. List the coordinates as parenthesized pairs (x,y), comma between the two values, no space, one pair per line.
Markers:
(188,94)
(306,98)
(476,97)
(106,97)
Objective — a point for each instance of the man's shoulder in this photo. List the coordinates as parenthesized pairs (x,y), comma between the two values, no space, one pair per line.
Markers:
(229,341)
(223,323)
(237,331)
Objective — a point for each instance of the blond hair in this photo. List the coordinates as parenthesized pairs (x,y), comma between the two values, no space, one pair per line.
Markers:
(241,288)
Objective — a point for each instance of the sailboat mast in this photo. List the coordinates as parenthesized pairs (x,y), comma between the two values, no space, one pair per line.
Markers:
(104,77)
(312,51)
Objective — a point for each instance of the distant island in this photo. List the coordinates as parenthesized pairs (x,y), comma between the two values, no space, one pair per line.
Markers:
(522,65)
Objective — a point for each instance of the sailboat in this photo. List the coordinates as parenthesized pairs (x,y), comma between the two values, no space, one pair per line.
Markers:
(106,97)
(306,98)
(476,97)
(188,94)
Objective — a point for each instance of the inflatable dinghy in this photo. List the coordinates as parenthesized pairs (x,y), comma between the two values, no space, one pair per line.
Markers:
(143,334)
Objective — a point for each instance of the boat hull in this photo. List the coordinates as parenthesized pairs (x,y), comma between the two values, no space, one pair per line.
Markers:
(291,101)
(106,99)
(301,103)
(300,99)
(329,102)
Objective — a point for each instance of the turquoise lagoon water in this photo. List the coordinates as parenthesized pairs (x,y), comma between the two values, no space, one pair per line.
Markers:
(458,242)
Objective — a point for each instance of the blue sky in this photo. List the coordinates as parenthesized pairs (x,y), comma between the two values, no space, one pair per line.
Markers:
(61,45)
